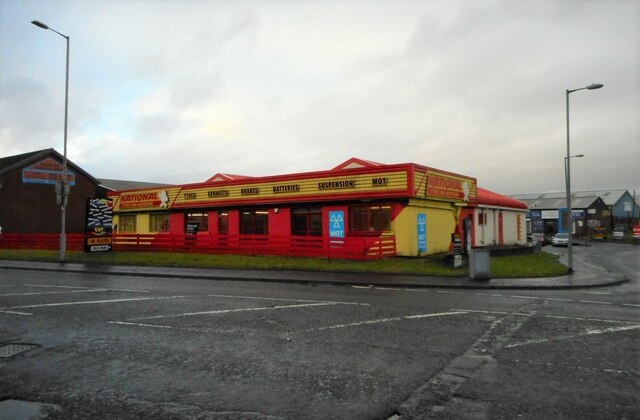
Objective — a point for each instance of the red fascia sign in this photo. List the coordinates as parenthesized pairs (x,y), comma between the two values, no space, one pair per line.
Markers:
(47,171)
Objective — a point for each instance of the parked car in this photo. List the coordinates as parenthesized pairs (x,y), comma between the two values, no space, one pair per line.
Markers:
(599,233)
(560,239)
(537,237)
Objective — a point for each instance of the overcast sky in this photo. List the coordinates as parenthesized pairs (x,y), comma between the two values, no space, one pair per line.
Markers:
(176,91)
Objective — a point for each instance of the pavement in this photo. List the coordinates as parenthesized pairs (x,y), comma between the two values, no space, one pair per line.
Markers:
(585,275)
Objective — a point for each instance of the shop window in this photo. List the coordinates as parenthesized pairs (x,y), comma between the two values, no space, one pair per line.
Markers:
(482,218)
(254,222)
(159,222)
(306,221)
(370,219)
(127,223)
(201,218)
(223,223)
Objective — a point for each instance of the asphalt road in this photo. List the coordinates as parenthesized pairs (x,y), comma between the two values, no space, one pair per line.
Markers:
(135,347)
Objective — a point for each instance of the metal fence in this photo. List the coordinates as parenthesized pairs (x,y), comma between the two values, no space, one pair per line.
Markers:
(353,247)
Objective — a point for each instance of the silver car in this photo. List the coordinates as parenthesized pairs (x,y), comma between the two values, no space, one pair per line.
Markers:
(560,239)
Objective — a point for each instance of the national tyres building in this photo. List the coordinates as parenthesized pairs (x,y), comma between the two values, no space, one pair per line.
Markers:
(359,209)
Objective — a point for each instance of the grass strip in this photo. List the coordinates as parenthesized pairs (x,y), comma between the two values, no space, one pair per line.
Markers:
(530,265)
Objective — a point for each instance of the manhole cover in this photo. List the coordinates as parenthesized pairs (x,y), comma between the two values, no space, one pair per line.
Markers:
(11,349)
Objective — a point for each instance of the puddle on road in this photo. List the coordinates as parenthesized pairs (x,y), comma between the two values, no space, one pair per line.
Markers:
(25,410)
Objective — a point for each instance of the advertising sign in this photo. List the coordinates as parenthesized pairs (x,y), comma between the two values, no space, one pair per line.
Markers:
(336,224)
(99,225)
(534,214)
(422,232)
(447,187)
(47,171)
(192,228)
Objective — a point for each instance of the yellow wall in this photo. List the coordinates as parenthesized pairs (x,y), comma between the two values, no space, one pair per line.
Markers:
(441,222)
(142,222)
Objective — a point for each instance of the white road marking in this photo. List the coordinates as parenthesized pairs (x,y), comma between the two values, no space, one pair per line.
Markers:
(81,287)
(632,305)
(488,294)
(53,293)
(596,302)
(383,320)
(546,316)
(432,315)
(227,311)
(138,324)
(91,302)
(582,334)
(598,293)
(386,288)
(289,300)
(523,297)
(559,300)
(361,287)
(418,290)
(449,292)
(16,313)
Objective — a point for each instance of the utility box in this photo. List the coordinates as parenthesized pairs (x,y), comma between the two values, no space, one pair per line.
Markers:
(480,264)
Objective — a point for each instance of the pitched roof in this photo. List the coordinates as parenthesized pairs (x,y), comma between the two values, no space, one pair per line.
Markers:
(610,197)
(355,162)
(560,202)
(494,199)
(226,177)
(10,163)
(122,185)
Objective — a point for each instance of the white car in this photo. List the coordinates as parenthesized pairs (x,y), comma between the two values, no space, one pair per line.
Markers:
(560,239)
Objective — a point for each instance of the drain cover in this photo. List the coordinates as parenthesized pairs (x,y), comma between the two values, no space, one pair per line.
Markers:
(12,349)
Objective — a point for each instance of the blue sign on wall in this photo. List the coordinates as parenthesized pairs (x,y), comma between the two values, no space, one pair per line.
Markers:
(534,214)
(422,232)
(336,224)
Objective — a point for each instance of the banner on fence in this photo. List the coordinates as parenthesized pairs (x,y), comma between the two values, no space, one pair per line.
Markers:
(99,225)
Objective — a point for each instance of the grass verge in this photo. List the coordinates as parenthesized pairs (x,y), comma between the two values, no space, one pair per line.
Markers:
(540,265)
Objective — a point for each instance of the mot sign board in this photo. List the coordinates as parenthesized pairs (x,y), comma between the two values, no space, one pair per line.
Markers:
(422,232)
(336,224)
(99,225)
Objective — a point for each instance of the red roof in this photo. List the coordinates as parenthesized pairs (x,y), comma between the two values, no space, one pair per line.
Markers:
(494,199)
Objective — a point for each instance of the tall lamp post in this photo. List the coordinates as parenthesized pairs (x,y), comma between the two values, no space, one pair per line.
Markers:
(567,174)
(64,193)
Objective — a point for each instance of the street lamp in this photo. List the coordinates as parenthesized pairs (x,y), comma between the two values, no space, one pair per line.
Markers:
(567,174)
(64,187)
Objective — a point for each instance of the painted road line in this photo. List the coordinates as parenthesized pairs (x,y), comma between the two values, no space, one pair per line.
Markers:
(228,311)
(57,287)
(433,315)
(598,293)
(596,302)
(546,316)
(582,334)
(524,297)
(289,300)
(386,288)
(138,324)
(91,302)
(419,290)
(573,318)
(631,305)
(16,313)
(449,292)
(362,287)
(383,320)
(559,300)
(488,294)
(53,293)
(81,287)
